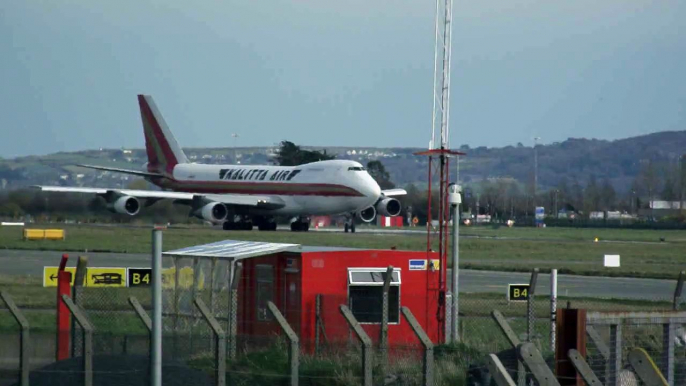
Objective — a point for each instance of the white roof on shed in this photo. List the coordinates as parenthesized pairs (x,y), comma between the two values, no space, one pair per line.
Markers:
(233,249)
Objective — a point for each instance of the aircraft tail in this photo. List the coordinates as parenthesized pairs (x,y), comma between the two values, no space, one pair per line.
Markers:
(163,151)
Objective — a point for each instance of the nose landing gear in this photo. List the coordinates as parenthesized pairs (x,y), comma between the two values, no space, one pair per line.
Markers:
(349,223)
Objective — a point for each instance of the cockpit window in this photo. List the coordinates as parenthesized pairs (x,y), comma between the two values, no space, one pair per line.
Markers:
(357,168)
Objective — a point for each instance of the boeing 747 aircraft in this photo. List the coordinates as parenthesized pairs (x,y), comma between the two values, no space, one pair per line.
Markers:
(241,196)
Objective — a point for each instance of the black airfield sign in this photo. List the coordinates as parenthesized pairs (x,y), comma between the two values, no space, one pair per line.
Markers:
(517,292)
(139,277)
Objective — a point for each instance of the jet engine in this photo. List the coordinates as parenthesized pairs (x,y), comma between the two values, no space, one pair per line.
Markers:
(125,205)
(367,215)
(215,212)
(389,207)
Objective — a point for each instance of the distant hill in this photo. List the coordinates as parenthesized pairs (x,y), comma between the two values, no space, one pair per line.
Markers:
(575,158)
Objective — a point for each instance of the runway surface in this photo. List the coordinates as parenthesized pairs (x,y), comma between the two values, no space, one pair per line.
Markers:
(25,262)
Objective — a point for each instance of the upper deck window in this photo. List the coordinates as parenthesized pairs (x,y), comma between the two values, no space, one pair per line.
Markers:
(357,168)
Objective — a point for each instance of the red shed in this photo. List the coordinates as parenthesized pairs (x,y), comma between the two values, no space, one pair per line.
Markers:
(293,276)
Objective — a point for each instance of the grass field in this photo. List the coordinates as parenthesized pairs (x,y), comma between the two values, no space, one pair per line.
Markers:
(571,251)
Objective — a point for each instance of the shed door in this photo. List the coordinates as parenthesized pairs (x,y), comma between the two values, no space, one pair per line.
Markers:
(291,301)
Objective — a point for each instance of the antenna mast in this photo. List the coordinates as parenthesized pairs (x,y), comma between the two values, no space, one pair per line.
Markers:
(439,152)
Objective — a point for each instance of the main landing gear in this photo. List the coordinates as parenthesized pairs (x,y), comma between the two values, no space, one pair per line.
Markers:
(349,223)
(301,225)
(245,223)
(242,225)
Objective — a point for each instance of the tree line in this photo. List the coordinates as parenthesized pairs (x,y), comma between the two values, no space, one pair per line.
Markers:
(502,198)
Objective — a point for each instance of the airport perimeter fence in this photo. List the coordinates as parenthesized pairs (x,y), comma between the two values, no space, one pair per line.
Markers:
(258,353)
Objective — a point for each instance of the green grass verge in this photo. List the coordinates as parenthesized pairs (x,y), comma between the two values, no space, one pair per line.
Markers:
(571,251)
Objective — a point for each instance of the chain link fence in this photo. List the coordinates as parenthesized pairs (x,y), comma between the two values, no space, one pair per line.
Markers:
(121,344)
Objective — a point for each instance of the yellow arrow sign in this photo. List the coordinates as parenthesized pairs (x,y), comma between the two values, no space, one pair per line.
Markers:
(50,275)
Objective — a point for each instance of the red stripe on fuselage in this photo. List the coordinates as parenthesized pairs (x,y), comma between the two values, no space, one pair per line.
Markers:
(272,188)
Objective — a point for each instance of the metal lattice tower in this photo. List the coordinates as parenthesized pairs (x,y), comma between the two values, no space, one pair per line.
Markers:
(439,151)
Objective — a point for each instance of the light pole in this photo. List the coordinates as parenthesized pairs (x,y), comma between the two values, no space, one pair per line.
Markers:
(536,139)
(556,192)
(455,199)
(235,149)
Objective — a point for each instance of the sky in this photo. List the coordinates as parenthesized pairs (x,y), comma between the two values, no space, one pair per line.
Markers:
(335,73)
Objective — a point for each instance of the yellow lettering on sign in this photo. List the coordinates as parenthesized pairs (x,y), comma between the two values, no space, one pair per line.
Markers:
(106,277)
(524,293)
(516,293)
(50,276)
(137,279)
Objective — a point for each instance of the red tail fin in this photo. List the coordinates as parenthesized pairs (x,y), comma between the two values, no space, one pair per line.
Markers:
(163,151)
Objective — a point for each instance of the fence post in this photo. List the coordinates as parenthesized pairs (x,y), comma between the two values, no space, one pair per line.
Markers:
(366,344)
(614,363)
(530,306)
(141,313)
(319,325)
(668,337)
(77,297)
(293,342)
(23,337)
(87,339)
(678,290)
(147,322)
(583,368)
(233,308)
(383,339)
(428,370)
(498,372)
(533,360)
(514,341)
(598,342)
(571,334)
(645,368)
(219,342)
(553,308)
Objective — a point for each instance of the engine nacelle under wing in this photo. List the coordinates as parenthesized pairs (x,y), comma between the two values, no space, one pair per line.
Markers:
(125,205)
(389,207)
(215,212)
(367,215)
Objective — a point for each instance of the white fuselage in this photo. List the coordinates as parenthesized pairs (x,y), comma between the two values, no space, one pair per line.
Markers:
(318,188)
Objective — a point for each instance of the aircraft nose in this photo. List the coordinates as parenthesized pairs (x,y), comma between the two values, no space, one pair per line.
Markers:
(373,190)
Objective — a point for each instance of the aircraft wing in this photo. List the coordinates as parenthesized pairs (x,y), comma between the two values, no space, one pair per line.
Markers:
(394,192)
(118,170)
(261,201)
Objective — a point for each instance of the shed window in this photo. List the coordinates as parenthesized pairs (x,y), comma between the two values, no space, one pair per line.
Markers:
(265,291)
(365,294)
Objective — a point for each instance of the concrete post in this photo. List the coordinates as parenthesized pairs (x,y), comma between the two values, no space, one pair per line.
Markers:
(219,346)
(293,342)
(383,339)
(553,308)
(24,366)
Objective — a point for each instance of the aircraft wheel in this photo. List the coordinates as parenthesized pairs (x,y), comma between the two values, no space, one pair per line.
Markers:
(352,227)
(246,226)
(345,228)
